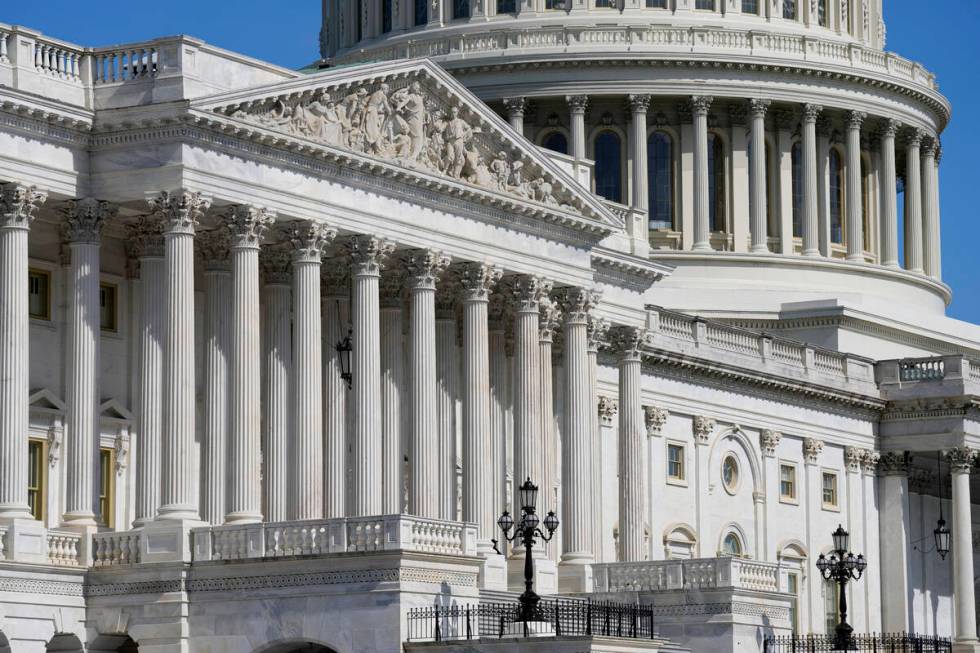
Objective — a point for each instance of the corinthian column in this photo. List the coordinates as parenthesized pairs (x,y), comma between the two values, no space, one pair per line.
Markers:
(913,203)
(515,112)
(632,493)
(811,211)
(213,249)
(308,240)
(500,392)
(447,390)
(758,221)
(548,322)
(597,330)
(367,256)
(855,219)
(476,280)
(392,385)
(335,282)
(18,208)
(423,268)
(576,106)
(84,220)
(277,357)
(248,226)
(638,111)
(930,219)
(962,460)
(180,213)
(702,214)
(576,451)
(148,236)
(889,212)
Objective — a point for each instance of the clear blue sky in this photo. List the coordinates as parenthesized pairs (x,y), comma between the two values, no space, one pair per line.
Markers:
(943,38)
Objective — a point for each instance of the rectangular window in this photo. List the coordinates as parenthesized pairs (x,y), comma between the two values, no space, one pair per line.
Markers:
(787,482)
(793,588)
(675,462)
(554,4)
(830,600)
(386,9)
(605,4)
(461,8)
(422,11)
(829,490)
(789,9)
(107,306)
(656,4)
(107,463)
(35,478)
(39,294)
(822,13)
(750,7)
(705,4)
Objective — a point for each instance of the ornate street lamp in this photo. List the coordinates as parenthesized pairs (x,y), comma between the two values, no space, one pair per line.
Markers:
(842,566)
(344,348)
(526,532)
(941,532)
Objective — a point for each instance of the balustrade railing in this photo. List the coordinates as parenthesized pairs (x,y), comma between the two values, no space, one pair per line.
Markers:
(125,63)
(697,573)
(64,548)
(116,548)
(925,369)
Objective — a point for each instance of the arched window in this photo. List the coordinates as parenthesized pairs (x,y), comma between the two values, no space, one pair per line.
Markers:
(836,198)
(789,9)
(556,142)
(461,8)
(716,183)
(796,157)
(731,545)
(822,12)
(750,7)
(660,180)
(422,11)
(866,203)
(386,16)
(608,166)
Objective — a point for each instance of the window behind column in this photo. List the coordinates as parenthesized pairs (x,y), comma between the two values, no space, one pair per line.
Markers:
(461,8)
(831,592)
(107,464)
(716,183)
(605,4)
(656,4)
(39,294)
(822,12)
(796,158)
(36,478)
(358,20)
(750,7)
(556,142)
(608,166)
(708,5)
(789,9)
(386,16)
(107,307)
(836,198)
(866,203)
(554,4)
(660,180)
(422,11)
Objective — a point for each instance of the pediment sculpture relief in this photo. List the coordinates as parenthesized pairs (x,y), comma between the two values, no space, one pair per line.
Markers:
(408,125)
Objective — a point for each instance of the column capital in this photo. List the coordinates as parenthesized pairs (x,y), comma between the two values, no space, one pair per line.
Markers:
(180,211)
(737,114)
(921,480)
(368,254)
(19,205)
(247,225)
(577,103)
(855,119)
(702,427)
(769,441)
(700,104)
(758,107)
(894,463)
(577,303)
(497,312)
(854,458)
(146,238)
(627,341)
(654,418)
(335,278)
(607,408)
(598,329)
(888,128)
(274,263)
(812,448)
(515,106)
(476,280)
(784,118)
(213,247)
(639,103)
(308,239)
(549,319)
(961,459)
(810,112)
(85,219)
(527,291)
(423,268)
(869,462)
(913,137)
(929,146)
(390,287)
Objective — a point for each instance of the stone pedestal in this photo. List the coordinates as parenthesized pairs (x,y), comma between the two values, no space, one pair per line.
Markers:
(25,541)
(493,573)
(545,574)
(165,540)
(574,577)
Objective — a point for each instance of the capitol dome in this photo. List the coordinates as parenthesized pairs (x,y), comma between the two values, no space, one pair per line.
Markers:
(655,105)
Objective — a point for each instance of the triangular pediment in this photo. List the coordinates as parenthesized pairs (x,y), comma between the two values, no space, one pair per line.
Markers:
(113,409)
(416,117)
(46,399)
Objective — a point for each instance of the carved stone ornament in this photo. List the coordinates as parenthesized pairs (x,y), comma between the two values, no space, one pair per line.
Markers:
(607,409)
(855,119)
(122,454)
(274,262)
(412,123)
(577,103)
(180,211)
(146,238)
(812,448)
(335,278)
(811,111)
(702,428)
(961,459)
(769,441)
(854,458)
(368,254)
(85,219)
(639,103)
(597,330)
(515,106)
(627,341)
(423,268)
(869,463)
(527,291)
(654,417)
(895,463)
(248,225)
(19,205)
(577,303)
(308,239)
(213,246)
(700,104)
(549,319)
(476,280)
(56,435)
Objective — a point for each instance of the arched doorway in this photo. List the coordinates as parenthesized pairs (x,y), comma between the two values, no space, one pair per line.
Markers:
(64,643)
(296,646)
(4,644)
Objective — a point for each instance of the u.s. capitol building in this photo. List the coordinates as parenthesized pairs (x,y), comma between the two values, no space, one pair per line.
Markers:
(278,347)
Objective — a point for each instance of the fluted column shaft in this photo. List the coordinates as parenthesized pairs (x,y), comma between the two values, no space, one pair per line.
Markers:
(632,495)
(596,332)
(889,211)
(18,207)
(548,457)
(180,213)
(702,228)
(913,204)
(277,360)
(577,460)
(498,416)
(758,221)
(577,105)
(478,495)
(855,217)
(336,310)
(527,387)
(150,399)
(515,112)
(217,344)
(638,109)
(811,214)
(244,500)
(447,389)
(367,254)
(962,460)
(930,217)
(392,382)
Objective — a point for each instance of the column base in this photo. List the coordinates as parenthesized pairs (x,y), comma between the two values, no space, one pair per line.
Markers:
(701,247)
(493,573)
(167,540)
(575,575)
(26,540)
(972,646)
(545,575)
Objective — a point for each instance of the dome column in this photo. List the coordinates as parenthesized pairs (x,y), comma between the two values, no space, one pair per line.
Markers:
(889,199)
(576,107)
(811,235)
(757,164)
(930,217)
(961,461)
(515,112)
(702,228)
(855,217)
(913,203)
(639,229)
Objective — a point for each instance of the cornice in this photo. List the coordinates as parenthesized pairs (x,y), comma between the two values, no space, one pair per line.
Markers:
(634,272)
(52,124)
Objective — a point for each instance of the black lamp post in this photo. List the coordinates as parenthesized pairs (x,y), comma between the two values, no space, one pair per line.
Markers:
(344,348)
(842,566)
(527,531)
(941,532)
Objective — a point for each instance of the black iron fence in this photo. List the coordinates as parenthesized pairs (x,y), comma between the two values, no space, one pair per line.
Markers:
(876,642)
(496,620)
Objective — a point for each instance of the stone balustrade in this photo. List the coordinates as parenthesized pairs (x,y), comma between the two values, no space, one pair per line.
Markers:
(695,574)
(934,376)
(64,548)
(116,548)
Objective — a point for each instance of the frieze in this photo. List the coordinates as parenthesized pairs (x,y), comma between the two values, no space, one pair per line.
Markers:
(42,586)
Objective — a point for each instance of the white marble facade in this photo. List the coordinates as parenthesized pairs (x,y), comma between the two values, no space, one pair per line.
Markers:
(703,383)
